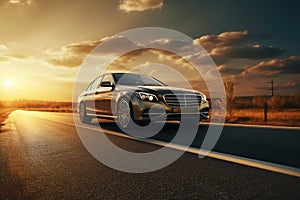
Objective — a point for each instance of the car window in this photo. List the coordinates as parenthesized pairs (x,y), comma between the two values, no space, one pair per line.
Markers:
(149,81)
(90,85)
(134,79)
(94,84)
(108,77)
(128,79)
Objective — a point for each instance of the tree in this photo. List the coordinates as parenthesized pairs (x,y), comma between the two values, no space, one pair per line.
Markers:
(229,88)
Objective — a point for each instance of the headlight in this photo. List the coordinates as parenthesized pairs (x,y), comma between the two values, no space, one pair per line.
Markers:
(146,96)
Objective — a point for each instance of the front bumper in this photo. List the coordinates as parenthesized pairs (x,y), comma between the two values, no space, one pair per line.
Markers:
(145,110)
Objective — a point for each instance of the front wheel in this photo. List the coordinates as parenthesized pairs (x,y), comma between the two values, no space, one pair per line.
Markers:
(84,118)
(124,113)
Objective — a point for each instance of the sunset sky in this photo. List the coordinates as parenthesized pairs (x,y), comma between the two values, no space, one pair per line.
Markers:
(44,42)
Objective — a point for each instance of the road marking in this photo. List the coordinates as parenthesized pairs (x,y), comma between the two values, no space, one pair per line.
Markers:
(288,170)
(292,171)
(253,126)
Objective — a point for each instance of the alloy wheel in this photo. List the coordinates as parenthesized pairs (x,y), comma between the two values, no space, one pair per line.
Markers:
(124,113)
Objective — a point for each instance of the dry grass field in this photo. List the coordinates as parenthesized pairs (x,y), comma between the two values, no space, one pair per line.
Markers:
(4,112)
(60,109)
(283,117)
(278,117)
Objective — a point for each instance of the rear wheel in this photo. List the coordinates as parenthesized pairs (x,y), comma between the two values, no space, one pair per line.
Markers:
(84,118)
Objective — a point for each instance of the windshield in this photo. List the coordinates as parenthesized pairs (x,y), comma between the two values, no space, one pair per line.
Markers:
(136,80)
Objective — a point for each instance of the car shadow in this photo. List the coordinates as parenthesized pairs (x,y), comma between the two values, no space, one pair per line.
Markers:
(166,134)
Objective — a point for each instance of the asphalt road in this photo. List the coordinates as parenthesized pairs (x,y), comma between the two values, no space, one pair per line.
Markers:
(42,157)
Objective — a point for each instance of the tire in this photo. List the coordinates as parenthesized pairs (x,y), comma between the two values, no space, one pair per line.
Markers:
(124,114)
(84,118)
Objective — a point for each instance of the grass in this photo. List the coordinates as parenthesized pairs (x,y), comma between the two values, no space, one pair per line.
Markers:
(4,112)
(63,110)
(284,117)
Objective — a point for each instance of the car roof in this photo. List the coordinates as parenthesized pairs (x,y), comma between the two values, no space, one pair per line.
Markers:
(122,73)
(112,73)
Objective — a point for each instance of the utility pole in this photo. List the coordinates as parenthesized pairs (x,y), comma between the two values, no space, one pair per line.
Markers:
(266,101)
(272,87)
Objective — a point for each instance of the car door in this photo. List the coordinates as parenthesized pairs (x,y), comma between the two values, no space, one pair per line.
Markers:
(103,95)
(89,96)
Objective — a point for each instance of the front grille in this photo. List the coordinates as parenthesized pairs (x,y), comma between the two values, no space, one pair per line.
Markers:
(182,100)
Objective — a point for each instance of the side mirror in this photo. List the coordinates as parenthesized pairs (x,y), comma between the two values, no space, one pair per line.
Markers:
(106,84)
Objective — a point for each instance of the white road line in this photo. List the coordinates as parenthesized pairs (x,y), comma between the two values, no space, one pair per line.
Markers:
(253,126)
(292,171)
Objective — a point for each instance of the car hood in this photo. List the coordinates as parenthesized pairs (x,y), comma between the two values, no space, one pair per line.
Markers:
(157,89)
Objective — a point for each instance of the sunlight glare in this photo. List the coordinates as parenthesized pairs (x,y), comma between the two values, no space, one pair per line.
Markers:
(8,83)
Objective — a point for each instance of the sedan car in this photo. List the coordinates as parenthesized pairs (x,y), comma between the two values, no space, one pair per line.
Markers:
(134,98)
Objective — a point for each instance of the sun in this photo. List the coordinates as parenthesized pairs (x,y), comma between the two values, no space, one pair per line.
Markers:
(8,83)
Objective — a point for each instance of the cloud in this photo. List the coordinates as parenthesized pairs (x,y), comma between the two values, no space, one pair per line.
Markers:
(72,55)
(3,59)
(140,5)
(247,52)
(3,49)
(223,47)
(21,2)
(225,70)
(184,47)
(236,45)
(3,53)
(255,52)
(209,42)
(116,44)
(291,83)
(68,61)
(281,85)
(82,47)
(6,54)
(282,66)
(129,60)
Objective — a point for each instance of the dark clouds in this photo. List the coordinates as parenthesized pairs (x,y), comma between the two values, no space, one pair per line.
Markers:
(282,66)
(244,58)
(236,45)
(223,54)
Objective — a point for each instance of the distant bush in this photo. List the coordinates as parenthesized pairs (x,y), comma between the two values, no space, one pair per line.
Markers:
(275,102)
